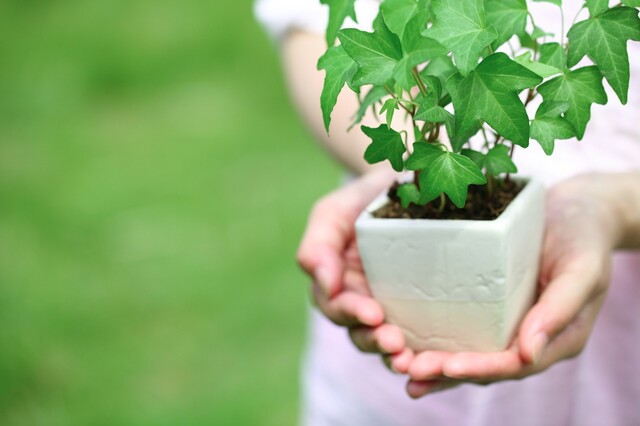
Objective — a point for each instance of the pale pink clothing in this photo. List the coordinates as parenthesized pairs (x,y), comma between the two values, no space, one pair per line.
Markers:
(601,387)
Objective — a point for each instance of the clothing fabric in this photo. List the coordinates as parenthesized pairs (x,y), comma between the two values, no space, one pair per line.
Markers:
(342,386)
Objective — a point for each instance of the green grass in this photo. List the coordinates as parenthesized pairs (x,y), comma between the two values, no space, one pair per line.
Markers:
(154,182)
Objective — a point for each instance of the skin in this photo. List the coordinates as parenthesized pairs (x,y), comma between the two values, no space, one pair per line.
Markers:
(588,218)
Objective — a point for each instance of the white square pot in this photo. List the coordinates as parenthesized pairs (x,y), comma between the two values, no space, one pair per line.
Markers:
(455,285)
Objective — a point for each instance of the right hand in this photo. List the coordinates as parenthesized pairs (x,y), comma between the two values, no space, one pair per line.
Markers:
(329,254)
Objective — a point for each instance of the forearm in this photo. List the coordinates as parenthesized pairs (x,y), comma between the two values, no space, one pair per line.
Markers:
(300,52)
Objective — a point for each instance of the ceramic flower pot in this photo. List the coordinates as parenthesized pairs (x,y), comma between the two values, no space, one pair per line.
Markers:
(455,285)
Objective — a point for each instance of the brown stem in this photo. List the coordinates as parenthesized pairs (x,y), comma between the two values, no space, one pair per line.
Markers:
(490,185)
(443,204)
(435,134)
(421,84)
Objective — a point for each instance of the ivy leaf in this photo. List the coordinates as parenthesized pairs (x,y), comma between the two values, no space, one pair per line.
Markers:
(550,126)
(460,25)
(339,10)
(580,88)
(397,13)
(452,174)
(475,156)
(424,154)
(417,50)
(408,193)
(340,68)
(386,145)
(376,54)
(498,161)
(390,107)
(543,70)
(374,95)
(556,2)
(553,54)
(490,94)
(604,39)
(596,7)
(508,18)
(441,67)
(429,109)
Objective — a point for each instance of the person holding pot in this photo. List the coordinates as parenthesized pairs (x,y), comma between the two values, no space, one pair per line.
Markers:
(576,357)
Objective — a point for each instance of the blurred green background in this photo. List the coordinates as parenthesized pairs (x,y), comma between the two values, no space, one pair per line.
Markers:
(154,182)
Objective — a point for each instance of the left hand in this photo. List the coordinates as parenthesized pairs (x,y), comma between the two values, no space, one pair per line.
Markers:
(576,261)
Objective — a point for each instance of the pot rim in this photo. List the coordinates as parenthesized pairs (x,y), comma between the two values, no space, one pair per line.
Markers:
(507,216)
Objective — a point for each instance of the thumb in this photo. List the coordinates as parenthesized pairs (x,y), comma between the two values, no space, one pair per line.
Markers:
(560,303)
(331,228)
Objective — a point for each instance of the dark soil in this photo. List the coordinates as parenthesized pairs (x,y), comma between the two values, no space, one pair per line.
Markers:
(480,206)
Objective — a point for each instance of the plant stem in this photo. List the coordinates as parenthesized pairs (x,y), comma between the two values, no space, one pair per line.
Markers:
(435,133)
(392,93)
(421,84)
(443,204)
(490,185)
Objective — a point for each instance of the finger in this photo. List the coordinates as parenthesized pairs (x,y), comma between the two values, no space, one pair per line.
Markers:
(428,365)
(385,339)
(418,389)
(349,308)
(483,367)
(331,227)
(356,281)
(560,303)
(399,362)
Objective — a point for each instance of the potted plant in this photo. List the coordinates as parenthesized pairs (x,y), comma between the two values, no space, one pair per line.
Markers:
(452,252)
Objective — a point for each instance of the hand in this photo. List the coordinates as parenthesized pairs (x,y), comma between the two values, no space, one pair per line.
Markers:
(580,237)
(329,254)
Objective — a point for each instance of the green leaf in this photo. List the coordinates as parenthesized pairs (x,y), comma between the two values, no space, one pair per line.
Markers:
(498,161)
(550,126)
(580,88)
(475,156)
(461,26)
(424,154)
(631,3)
(556,2)
(604,39)
(441,67)
(430,111)
(543,70)
(408,194)
(340,68)
(386,145)
(596,7)
(339,10)
(553,54)
(397,13)
(452,174)
(508,18)
(490,94)
(374,95)
(390,107)
(417,50)
(376,54)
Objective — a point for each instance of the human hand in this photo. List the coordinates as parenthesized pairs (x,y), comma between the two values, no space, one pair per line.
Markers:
(576,260)
(329,254)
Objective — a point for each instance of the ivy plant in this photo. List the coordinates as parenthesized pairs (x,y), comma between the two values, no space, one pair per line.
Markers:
(472,68)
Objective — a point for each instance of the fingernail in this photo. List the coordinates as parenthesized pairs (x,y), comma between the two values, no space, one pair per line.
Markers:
(324,280)
(538,344)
